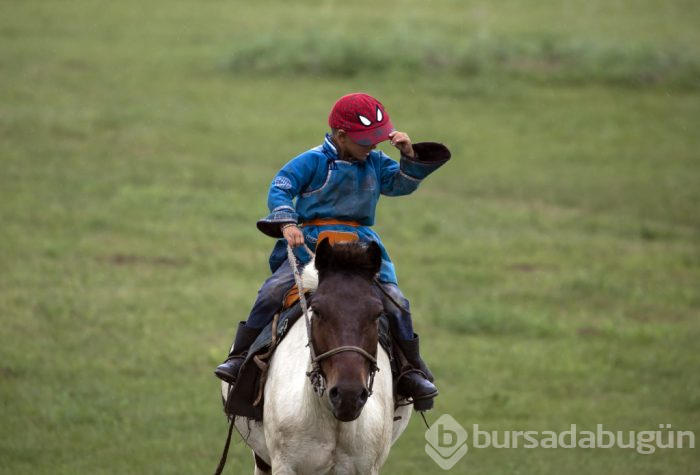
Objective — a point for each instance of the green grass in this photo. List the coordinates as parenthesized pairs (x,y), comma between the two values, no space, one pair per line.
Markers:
(552,265)
(547,59)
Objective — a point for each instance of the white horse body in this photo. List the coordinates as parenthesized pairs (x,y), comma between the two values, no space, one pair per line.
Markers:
(300,435)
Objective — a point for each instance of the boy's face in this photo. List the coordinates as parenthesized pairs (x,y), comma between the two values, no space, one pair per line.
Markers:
(348,148)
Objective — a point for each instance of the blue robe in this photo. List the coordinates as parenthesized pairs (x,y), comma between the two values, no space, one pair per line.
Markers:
(319,185)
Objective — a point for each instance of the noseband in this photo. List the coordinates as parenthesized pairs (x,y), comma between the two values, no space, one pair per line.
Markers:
(316,375)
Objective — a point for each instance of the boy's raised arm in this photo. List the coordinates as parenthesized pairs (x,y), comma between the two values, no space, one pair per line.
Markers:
(404,177)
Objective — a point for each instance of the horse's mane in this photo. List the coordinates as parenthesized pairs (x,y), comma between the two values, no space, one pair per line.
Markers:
(352,257)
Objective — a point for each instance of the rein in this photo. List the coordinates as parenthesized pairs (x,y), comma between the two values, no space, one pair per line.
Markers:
(315,375)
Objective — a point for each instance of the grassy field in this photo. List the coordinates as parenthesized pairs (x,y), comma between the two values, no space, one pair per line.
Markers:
(553,265)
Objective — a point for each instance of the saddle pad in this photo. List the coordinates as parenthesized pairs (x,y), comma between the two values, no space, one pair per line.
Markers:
(240,399)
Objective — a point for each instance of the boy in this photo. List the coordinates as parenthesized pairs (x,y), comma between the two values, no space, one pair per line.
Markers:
(336,186)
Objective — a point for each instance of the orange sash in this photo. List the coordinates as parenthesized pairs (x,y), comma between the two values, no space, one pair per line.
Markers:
(330,222)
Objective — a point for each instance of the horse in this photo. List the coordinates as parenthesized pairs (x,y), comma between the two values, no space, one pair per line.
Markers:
(343,418)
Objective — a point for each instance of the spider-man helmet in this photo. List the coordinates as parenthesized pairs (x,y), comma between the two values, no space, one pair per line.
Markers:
(362,117)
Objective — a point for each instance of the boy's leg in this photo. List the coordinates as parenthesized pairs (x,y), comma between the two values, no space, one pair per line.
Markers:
(268,302)
(416,379)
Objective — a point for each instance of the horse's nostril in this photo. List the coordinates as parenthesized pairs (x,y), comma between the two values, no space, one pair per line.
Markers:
(333,393)
(364,395)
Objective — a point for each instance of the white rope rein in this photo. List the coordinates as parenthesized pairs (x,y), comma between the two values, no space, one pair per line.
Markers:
(300,287)
(314,375)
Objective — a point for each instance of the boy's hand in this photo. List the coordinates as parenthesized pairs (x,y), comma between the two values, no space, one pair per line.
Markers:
(293,235)
(402,141)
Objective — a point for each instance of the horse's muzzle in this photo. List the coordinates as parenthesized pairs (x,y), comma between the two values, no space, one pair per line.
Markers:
(347,401)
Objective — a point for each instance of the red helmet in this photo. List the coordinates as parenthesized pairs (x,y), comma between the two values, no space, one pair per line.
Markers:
(362,117)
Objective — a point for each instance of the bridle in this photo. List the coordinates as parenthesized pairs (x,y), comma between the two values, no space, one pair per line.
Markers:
(316,376)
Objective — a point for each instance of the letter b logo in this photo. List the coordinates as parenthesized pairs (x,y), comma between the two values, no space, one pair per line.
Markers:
(446,442)
(446,438)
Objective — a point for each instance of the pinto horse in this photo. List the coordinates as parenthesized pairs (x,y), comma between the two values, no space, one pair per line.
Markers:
(349,425)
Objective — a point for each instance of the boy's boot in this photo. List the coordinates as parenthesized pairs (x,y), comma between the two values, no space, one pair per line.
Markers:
(415,380)
(228,370)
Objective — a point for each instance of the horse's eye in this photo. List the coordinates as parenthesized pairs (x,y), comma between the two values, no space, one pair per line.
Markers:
(378,315)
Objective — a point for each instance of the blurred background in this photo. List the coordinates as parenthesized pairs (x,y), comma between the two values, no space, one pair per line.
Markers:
(553,265)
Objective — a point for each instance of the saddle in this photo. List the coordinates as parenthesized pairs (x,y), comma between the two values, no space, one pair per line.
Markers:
(246,397)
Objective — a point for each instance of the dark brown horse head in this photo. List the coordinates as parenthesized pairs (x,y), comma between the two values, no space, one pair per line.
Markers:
(346,310)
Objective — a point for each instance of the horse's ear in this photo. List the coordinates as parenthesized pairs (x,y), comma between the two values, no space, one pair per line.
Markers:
(324,254)
(375,257)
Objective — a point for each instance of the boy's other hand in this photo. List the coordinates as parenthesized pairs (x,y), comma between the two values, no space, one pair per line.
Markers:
(293,235)
(402,141)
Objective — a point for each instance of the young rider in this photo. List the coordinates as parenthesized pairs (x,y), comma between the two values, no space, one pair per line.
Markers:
(336,187)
